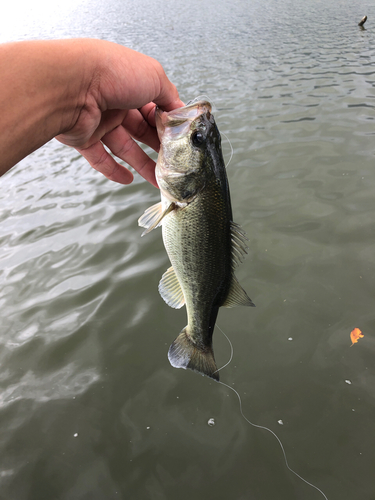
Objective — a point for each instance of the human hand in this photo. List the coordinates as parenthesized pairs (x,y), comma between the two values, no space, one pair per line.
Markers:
(118,108)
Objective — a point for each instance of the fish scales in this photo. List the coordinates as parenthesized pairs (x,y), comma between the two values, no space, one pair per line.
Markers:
(197,242)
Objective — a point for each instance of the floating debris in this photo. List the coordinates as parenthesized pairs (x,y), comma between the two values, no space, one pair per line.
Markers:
(280,422)
(362,21)
(211,422)
(355,335)
(348,382)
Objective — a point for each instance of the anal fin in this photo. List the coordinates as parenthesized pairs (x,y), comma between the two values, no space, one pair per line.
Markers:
(237,296)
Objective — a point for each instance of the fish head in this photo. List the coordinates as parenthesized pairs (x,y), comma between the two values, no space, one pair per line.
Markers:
(188,139)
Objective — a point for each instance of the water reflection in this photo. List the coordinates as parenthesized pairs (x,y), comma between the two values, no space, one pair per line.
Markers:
(62,384)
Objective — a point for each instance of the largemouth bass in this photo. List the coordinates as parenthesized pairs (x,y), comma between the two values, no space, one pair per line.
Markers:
(203,243)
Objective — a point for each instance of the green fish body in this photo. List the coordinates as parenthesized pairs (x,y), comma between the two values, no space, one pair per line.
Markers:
(204,245)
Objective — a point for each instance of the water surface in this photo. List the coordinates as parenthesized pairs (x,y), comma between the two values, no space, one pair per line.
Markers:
(89,406)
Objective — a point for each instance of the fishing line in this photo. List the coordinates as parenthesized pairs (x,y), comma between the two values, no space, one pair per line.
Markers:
(203,97)
(261,426)
(231,156)
(231,350)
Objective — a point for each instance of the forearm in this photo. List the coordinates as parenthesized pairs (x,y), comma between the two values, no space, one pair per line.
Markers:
(43,87)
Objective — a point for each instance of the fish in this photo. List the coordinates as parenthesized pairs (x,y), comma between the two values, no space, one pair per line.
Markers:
(203,243)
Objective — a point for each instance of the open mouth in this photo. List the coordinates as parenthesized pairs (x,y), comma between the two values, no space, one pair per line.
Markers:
(175,124)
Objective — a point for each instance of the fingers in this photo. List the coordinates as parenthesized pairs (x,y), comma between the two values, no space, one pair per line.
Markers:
(120,142)
(168,98)
(123,146)
(118,135)
(129,80)
(91,129)
(169,103)
(137,124)
(102,161)
(148,113)
(116,115)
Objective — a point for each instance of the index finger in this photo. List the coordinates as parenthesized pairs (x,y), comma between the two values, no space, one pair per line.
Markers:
(168,98)
(169,105)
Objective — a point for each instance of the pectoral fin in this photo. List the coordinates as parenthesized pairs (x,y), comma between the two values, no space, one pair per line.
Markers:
(237,296)
(153,216)
(170,289)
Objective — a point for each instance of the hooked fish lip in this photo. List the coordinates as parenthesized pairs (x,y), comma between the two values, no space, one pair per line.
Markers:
(176,123)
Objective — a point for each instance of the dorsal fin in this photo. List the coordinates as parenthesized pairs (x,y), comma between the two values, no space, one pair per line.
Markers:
(239,247)
(170,289)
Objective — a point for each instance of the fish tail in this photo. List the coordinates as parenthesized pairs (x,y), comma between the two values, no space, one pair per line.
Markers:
(183,353)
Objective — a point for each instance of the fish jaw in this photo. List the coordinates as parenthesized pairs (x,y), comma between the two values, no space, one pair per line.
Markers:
(180,169)
(175,124)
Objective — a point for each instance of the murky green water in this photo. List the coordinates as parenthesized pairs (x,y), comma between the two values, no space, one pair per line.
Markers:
(89,406)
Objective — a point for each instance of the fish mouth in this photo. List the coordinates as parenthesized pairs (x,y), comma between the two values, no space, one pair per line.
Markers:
(175,124)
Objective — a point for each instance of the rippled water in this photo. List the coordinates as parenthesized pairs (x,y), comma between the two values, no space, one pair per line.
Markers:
(89,406)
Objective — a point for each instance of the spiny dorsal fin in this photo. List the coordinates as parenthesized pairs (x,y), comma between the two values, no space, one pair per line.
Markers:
(183,353)
(170,289)
(237,296)
(239,247)
(153,217)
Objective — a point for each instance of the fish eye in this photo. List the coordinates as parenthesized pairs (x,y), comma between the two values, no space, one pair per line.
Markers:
(197,138)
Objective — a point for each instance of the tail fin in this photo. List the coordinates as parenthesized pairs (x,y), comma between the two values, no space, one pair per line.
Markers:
(183,353)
